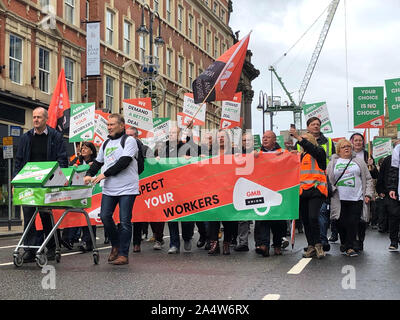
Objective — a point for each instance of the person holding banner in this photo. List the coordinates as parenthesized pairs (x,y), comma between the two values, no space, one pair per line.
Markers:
(262,228)
(224,148)
(121,186)
(174,148)
(352,186)
(42,143)
(313,190)
(358,143)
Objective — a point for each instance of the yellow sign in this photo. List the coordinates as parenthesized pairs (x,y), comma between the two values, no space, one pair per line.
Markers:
(7,141)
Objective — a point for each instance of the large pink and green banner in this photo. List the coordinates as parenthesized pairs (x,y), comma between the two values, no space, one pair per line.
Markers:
(222,188)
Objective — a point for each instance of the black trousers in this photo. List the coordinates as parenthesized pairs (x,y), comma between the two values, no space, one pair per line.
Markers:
(394,220)
(229,230)
(262,231)
(310,205)
(348,223)
(383,213)
(158,230)
(137,232)
(202,228)
(33,237)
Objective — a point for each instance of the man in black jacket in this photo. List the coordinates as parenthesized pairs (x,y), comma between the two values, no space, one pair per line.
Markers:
(41,143)
(394,208)
(383,202)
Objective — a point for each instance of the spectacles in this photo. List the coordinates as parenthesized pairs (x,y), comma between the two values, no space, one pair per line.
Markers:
(343,147)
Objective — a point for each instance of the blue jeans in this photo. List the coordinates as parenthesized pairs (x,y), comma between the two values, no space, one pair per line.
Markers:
(119,237)
(324,220)
(187,232)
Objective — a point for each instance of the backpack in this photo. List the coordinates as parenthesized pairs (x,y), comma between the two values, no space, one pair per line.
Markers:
(140,156)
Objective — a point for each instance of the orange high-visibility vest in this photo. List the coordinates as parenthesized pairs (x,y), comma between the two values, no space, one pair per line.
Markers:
(312,176)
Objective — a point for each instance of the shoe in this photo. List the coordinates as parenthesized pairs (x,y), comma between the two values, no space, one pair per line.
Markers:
(173,249)
(326,247)
(285,243)
(225,248)
(277,251)
(311,252)
(201,243)
(120,260)
(113,254)
(85,247)
(207,245)
(234,242)
(66,244)
(319,251)
(157,245)
(136,248)
(333,238)
(106,240)
(214,248)
(351,253)
(188,245)
(152,239)
(241,247)
(263,250)
(29,256)
(393,247)
(342,248)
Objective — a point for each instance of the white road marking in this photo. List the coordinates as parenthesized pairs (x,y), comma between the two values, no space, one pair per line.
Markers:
(272,297)
(6,264)
(7,247)
(298,268)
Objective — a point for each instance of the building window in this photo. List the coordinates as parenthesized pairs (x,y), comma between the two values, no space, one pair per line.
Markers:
(44,70)
(169,8)
(190,73)
(216,47)
(206,2)
(180,69)
(87,10)
(44,3)
(109,27)
(223,47)
(156,112)
(127,91)
(142,48)
(190,26)
(199,34)
(15,58)
(169,110)
(208,39)
(69,7)
(127,37)
(180,17)
(169,62)
(156,5)
(109,93)
(69,77)
(215,7)
(156,55)
(223,15)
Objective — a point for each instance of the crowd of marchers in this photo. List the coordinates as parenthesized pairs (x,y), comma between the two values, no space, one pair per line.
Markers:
(341,190)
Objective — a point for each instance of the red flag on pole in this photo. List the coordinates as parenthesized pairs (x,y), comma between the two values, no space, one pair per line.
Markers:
(59,107)
(219,81)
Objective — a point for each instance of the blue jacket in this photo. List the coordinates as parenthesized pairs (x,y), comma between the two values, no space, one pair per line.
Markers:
(56,150)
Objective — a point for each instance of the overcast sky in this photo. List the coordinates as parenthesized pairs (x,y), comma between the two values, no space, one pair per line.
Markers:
(373,52)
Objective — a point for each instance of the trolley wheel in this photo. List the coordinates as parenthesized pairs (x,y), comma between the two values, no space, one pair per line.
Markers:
(18,260)
(58,257)
(96,257)
(41,260)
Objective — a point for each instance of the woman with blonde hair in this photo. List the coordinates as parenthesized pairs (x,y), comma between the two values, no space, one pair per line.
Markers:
(352,186)
(313,190)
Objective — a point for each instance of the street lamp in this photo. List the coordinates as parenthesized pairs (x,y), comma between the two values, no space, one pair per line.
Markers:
(262,106)
(150,86)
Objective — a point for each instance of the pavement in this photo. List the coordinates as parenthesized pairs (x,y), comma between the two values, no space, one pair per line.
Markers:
(15,231)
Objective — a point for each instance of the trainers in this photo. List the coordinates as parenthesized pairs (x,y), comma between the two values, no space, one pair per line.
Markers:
(319,251)
(188,245)
(326,247)
(241,247)
(173,249)
(157,245)
(310,252)
(333,238)
(351,253)
(393,248)
(285,243)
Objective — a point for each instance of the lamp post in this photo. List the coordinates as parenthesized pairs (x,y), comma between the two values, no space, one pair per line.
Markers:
(262,106)
(150,86)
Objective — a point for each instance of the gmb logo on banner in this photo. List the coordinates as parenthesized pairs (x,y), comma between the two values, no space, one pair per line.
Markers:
(250,195)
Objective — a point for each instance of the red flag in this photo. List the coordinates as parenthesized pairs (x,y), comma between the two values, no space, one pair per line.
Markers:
(59,105)
(219,81)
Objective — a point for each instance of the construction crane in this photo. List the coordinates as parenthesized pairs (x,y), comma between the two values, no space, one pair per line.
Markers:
(298,108)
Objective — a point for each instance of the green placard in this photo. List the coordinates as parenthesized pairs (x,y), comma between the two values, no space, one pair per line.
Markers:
(257,142)
(381,148)
(319,110)
(281,141)
(81,127)
(368,107)
(393,99)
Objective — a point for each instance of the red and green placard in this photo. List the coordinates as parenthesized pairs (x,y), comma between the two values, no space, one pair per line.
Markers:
(393,100)
(368,107)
